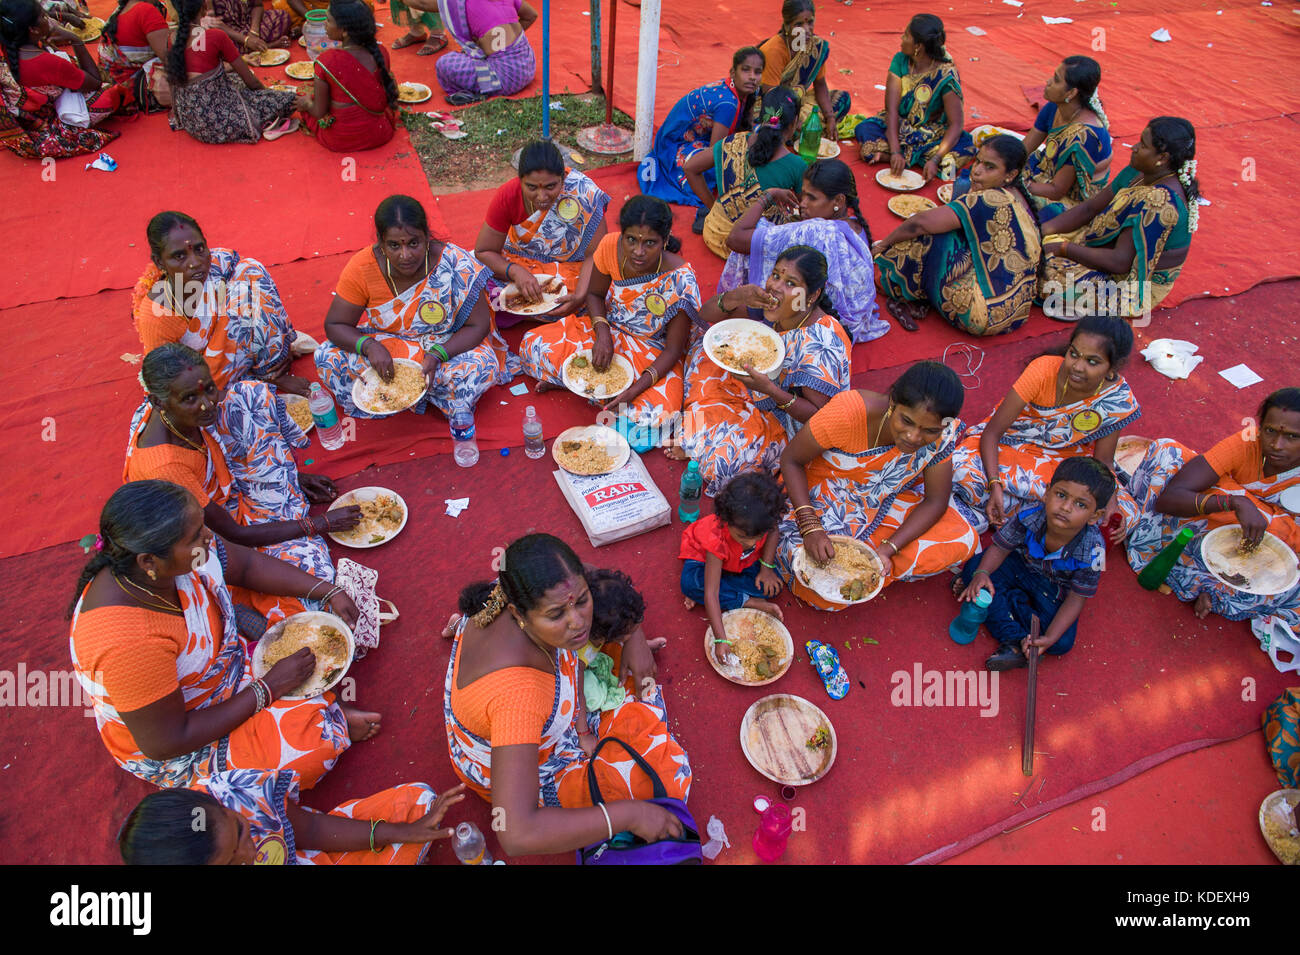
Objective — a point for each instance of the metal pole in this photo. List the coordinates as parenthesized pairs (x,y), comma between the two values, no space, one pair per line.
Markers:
(546,69)
(609,81)
(647,73)
(595,48)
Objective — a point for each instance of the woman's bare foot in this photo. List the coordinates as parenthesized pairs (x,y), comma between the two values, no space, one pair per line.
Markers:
(449,631)
(362,724)
(688,603)
(1202,606)
(657,643)
(544,386)
(674,452)
(766,606)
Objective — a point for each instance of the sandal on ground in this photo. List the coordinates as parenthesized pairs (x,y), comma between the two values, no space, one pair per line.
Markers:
(303,344)
(826,661)
(902,314)
(436,43)
(464,98)
(698,225)
(281,129)
(409,40)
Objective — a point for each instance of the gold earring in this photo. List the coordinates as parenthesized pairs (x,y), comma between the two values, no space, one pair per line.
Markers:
(152,575)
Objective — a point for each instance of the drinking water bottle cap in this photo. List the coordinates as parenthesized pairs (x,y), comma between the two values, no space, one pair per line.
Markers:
(693,466)
(315,387)
(530,411)
(983,598)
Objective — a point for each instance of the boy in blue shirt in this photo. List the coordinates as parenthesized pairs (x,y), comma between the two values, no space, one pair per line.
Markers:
(1045,561)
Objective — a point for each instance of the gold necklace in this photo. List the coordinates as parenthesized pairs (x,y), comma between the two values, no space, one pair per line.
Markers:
(388,264)
(880,430)
(622,266)
(172,429)
(164,605)
(801,321)
(1064,385)
(171,301)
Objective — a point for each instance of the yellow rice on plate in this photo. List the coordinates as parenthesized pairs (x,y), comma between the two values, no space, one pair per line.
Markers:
(607,383)
(379,519)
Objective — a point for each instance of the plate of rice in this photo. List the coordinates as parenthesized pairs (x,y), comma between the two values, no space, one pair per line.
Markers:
(299,409)
(854,576)
(91,30)
(944,192)
(266,57)
(982,134)
(735,342)
(590,449)
(909,180)
(413,93)
(761,648)
(512,300)
(1277,822)
(907,206)
(372,394)
(383,515)
(788,740)
(328,637)
(828,149)
(302,70)
(581,377)
(1266,570)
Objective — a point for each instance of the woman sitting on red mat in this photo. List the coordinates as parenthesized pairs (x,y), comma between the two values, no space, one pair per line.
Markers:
(354,104)
(132,49)
(37,85)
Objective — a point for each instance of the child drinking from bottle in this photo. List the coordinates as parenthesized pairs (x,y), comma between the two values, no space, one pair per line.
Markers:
(730,556)
(1044,561)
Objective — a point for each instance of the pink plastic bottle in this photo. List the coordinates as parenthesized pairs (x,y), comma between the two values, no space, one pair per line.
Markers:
(773,832)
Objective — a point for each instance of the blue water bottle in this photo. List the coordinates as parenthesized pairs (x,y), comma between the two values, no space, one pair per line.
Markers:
(689,492)
(966,624)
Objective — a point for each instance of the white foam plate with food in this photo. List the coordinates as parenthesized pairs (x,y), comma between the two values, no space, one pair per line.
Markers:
(553,289)
(909,180)
(1268,570)
(830,581)
(90,32)
(302,70)
(614,380)
(413,93)
(761,651)
(375,396)
(571,450)
(980,134)
(828,149)
(299,409)
(1129,452)
(266,57)
(1277,823)
(329,638)
(383,515)
(944,192)
(730,342)
(907,206)
(1290,499)
(789,740)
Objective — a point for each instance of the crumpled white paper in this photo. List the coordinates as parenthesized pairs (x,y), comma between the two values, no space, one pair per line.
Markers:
(1161,36)
(717,838)
(456,505)
(1173,357)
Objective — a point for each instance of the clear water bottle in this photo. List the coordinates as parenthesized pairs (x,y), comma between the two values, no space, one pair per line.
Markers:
(534,443)
(470,846)
(464,447)
(973,613)
(689,494)
(326,417)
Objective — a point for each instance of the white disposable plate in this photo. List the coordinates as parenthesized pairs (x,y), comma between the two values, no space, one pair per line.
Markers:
(316,683)
(302,70)
(1272,560)
(547,304)
(773,735)
(613,442)
(825,584)
(828,149)
(1290,499)
(578,388)
(267,58)
(370,379)
(944,193)
(409,92)
(356,496)
(909,180)
(734,671)
(898,205)
(1280,806)
(717,334)
(291,400)
(981,133)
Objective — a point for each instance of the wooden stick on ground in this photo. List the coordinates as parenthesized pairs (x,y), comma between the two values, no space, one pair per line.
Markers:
(1031,699)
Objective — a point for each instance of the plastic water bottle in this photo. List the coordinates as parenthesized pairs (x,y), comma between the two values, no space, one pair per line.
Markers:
(810,143)
(966,624)
(689,492)
(773,832)
(1157,572)
(464,447)
(326,417)
(470,846)
(534,443)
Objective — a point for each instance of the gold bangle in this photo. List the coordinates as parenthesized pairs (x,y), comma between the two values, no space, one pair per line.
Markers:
(804,507)
(597,319)
(891,544)
(997,481)
(788,404)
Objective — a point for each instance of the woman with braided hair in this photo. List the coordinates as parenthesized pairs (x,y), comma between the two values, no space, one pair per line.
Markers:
(132,50)
(1073,131)
(211,103)
(975,259)
(354,106)
(1120,251)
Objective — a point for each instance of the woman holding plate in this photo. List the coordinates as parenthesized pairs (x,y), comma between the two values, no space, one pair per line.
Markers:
(1250,478)
(742,422)
(640,296)
(234,454)
(518,729)
(155,647)
(878,468)
(924,110)
(975,260)
(546,220)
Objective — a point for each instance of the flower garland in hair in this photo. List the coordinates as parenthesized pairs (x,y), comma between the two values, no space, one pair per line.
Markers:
(1186,173)
(1094,104)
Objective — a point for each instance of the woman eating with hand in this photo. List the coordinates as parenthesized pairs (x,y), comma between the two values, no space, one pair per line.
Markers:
(1074,134)
(422,300)
(155,647)
(924,109)
(878,468)
(546,220)
(639,298)
(742,422)
(1250,478)
(518,729)
(976,260)
(233,453)
(1121,251)
(830,221)
(217,303)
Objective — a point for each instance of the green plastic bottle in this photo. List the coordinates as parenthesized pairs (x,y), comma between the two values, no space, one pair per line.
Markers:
(810,143)
(1157,572)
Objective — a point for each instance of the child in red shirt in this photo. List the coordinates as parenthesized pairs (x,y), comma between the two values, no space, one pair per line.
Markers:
(730,556)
